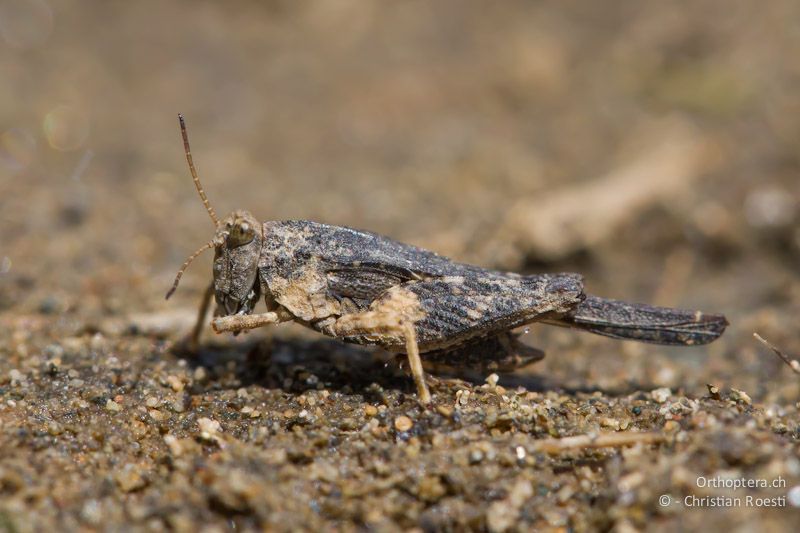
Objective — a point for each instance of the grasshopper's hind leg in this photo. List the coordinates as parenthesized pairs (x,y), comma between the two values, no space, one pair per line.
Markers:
(388,322)
(502,352)
(414,361)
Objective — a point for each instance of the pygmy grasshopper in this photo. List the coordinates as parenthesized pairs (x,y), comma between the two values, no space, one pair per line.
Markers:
(364,288)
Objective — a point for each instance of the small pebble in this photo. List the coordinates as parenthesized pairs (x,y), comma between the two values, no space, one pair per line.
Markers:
(130,478)
(661,395)
(209,429)
(92,512)
(174,444)
(175,383)
(200,374)
(611,423)
(348,423)
(178,405)
(564,495)
(713,390)
(98,343)
(462,397)
(111,405)
(431,489)
(741,396)
(370,410)
(403,423)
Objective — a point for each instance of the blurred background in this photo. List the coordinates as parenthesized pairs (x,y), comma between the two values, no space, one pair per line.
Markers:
(653,147)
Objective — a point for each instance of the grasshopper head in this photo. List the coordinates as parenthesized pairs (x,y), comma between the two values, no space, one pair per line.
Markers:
(237,247)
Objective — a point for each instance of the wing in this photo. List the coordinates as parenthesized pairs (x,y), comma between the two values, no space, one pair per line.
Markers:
(289,244)
(460,301)
(462,308)
(356,266)
(363,283)
(645,323)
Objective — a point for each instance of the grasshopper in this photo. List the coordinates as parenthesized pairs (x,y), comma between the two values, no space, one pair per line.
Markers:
(363,288)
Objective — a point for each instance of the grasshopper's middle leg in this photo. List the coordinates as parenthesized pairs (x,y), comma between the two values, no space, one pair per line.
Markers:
(379,322)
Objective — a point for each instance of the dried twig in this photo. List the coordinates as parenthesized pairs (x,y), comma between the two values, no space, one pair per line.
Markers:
(794,364)
(602,440)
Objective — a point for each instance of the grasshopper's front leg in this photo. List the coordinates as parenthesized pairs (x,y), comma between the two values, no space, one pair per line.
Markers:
(244,322)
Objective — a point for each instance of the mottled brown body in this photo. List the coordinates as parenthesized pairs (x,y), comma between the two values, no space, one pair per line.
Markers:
(320,273)
(364,288)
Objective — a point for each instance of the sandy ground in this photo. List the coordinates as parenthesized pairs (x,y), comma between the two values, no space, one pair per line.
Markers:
(651,147)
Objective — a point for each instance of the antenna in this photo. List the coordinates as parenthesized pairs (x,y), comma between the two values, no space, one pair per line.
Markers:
(199,187)
(185,265)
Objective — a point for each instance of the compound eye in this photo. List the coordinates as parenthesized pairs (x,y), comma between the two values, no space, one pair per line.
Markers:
(241,234)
